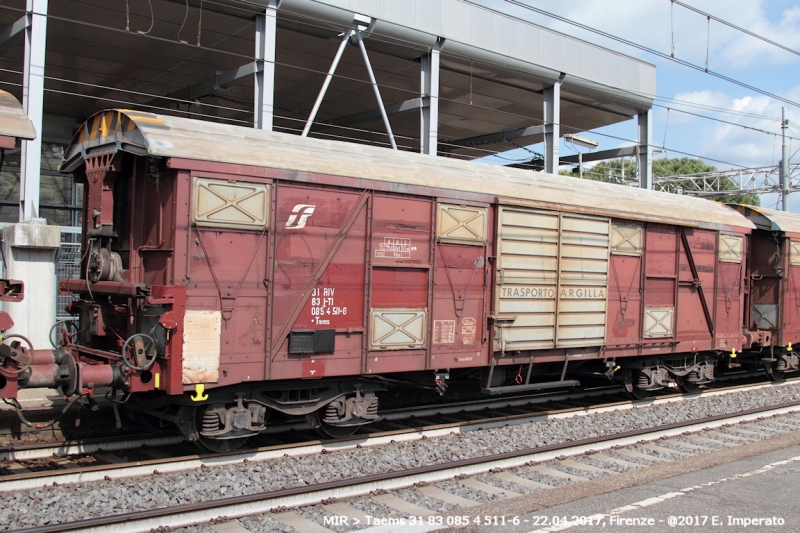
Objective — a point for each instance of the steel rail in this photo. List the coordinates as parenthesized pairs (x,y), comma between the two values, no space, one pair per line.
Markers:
(109,444)
(24,452)
(238,506)
(28,481)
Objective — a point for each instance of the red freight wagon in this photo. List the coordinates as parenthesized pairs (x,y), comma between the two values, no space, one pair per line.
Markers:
(230,273)
(772,291)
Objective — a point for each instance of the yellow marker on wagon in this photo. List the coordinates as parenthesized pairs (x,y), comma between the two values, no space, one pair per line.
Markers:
(199,395)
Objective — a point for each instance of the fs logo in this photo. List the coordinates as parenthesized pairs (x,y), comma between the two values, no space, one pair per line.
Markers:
(300,214)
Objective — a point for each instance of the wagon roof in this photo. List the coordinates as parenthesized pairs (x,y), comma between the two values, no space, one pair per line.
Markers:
(13,120)
(167,136)
(771,219)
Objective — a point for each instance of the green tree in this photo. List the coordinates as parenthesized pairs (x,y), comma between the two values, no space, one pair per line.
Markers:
(611,172)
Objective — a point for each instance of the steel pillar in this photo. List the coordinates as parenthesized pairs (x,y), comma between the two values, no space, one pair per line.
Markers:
(552,122)
(377,90)
(33,102)
(784,172)
(264,82)
(645,150)
(429,115)
(345,37)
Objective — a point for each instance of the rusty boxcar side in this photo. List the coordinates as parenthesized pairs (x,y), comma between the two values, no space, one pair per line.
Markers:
(231,273)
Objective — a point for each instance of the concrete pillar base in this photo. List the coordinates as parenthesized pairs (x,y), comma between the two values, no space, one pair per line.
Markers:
(30,253)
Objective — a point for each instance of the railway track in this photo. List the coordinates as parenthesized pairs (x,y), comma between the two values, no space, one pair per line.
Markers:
(82,454)
(565,462)
(31,466)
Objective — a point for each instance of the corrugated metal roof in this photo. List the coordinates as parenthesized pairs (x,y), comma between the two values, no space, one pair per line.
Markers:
(13,120)
(167,136)
(771,219)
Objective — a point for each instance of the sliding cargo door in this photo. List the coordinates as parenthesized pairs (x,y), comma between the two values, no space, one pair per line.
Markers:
(583,281)
(552,279)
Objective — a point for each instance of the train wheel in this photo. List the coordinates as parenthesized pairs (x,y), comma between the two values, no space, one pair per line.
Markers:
(327,430)
(211,444)
(629,382)
(686,386)
(772,373)
(638,394)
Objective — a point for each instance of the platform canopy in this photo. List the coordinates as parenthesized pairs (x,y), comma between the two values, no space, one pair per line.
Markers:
(494,68)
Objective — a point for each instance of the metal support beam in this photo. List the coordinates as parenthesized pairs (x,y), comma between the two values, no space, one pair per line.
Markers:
(719,184)
(219,82)
(645,150)
(492,138)
(264,82)
(429,89)
(784,173)
(369,114)
(376,89)
(601,155)
(14,34)
(33,102)
(326,83)
(552,122)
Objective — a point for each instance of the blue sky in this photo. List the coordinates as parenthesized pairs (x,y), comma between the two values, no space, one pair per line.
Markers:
(730,53)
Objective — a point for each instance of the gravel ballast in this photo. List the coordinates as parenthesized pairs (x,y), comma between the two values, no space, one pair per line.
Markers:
(63,503)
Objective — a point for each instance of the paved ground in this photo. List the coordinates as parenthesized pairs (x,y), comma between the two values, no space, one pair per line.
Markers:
(728,497)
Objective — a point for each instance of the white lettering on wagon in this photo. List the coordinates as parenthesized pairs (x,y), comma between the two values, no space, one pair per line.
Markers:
(323,305)
(550,292)
(300,214)
(395,247)
(583,292)
(444,331)
(528,292)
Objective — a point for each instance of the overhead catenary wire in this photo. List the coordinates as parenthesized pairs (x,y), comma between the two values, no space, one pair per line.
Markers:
(706,107)
(759,130)
(651,51)
(735,27)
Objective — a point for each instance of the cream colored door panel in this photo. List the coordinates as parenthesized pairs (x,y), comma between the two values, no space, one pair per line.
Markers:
(567,335)
(567,252)
(529,248)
